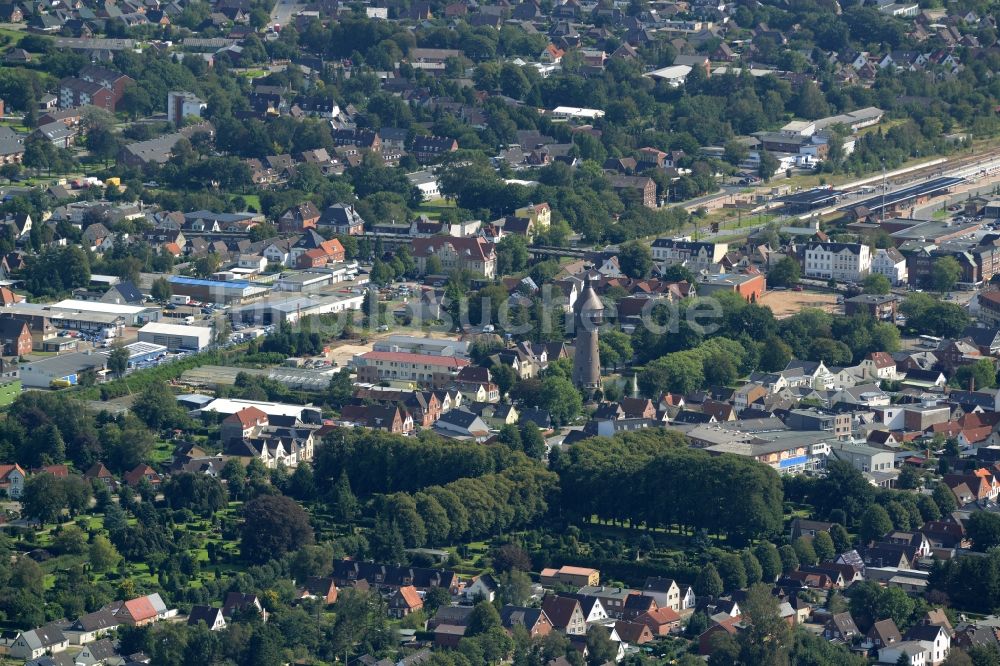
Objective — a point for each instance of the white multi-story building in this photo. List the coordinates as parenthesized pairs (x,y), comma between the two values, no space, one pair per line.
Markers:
(694,255)
(427,183)
(180,105)
(892,264)
(843,262)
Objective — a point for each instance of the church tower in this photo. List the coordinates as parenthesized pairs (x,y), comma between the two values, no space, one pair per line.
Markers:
(588,315)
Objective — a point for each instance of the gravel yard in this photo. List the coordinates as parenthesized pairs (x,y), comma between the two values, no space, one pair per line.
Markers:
(787,303)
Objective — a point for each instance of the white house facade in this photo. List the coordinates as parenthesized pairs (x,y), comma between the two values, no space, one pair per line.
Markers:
(843,262)
(890,263)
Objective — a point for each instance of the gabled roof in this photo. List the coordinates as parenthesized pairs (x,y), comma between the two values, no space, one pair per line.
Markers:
(844,623)
(885,631)
(247,417)
(924,632)
(511,616)
(409,595)
(43,637)
(882,359)
(239,601)
(640,602)
(139,609)
(659,617)
(11,328)
(206,614)
(459,418)
(633,632)
(101,619)
(475,248)
(128,291)
(938,617)
(5,471)
(98,471)
(393,575)
(560,609)
(102,649)
(456,616)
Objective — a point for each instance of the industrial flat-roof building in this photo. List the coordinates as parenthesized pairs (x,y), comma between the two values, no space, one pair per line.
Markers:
(133,315)
(279,310)
(750,286)
(68,367)
(217,291)
(140,353)
(89,321)
(226,406)
(304,282)
(294,378)
(903,199)
(807,200)
(176,336)
(425,346)
(788,452)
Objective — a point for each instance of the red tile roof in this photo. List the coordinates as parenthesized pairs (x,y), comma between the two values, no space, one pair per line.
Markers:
(410,595)
(135,475)
(140,609)
(882,359)
(659,616)
(976,435)
(8,297)
(633,632)
(60,471)
(247,417)
(5,470)
(991,297)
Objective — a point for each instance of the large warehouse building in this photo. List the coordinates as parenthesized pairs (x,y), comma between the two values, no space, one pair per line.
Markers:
(88,321)
(65,368)
(176,336)
(278,310)
(141,354)
(132,315)
(217,291)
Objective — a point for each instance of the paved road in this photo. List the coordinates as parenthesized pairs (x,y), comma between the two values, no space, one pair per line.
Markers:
(284,11)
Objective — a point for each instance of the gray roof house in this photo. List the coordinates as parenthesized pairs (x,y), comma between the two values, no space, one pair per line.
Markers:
(35,643)
(98,652)
(124,293)
(343,218)
(459,423)
(90,627)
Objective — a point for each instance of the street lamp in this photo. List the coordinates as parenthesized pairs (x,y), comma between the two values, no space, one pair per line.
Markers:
(883,190)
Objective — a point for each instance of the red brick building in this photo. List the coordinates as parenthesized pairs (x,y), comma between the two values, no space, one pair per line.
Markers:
(15,336)
(639,187)
(750,285)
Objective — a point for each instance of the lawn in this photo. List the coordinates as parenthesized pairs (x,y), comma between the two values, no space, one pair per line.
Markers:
(433,209)
(253,200)
(161,452)
(253,73)
(15,37)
